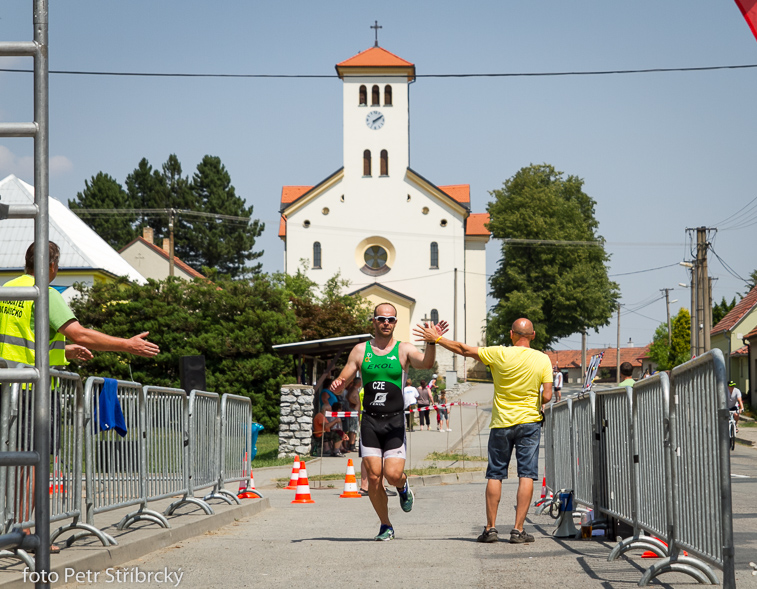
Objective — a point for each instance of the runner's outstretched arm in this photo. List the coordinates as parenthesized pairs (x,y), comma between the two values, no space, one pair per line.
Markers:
(424,333)
(350,369)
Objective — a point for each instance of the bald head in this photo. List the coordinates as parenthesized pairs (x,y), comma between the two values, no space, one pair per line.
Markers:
(522,332)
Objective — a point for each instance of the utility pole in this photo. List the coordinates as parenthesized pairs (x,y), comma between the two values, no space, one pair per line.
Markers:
(704,304)
(617,352)
(667,306)
(454,325)
(171,218)
(583,355)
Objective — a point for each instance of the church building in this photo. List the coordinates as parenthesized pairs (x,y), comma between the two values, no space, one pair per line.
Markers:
(395,235)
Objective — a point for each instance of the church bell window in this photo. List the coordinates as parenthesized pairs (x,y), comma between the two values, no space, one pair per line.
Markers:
(375,95)
(363,100)
(387,95)
(384,162)
(367,162)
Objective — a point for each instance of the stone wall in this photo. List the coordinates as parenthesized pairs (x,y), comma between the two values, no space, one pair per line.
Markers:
(296,420)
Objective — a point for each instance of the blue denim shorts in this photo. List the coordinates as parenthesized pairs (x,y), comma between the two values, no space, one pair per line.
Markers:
(524,438)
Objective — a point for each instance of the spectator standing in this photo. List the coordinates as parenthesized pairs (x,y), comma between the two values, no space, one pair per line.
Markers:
(519,371)
(443,412)
(322,430)
(557,382)
(425,400)
(410,394)
(626,372)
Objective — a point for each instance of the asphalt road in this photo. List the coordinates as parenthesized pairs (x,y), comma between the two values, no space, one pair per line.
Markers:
(329,544)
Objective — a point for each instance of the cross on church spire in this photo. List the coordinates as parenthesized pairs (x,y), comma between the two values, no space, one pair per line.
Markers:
(376,27)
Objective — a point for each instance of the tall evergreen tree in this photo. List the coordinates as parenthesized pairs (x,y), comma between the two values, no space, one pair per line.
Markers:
(103,192)
(562,289)
(219,243)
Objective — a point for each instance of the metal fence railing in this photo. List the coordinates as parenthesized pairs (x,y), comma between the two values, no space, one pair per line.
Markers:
(656,457)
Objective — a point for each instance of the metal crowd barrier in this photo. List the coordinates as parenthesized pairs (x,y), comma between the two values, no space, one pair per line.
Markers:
(234,449)
(204,445)
(116,467)
(167,439)
(659,461)
(173,445)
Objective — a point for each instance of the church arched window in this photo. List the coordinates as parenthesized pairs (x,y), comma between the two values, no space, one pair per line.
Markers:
(317,254)
(367,162)
(384,162)
(363,96)
(434,255)
(387,95)
(434,316)
(375,96)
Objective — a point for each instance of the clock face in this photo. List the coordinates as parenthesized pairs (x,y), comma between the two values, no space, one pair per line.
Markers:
(374,120)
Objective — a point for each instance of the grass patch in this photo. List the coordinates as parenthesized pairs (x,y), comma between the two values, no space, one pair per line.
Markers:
(443,456)
(268,452)
(744,423)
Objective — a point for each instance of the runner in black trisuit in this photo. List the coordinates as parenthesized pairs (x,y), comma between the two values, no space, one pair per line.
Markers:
(382,362)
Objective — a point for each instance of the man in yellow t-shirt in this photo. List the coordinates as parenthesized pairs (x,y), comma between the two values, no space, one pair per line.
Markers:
(519,373)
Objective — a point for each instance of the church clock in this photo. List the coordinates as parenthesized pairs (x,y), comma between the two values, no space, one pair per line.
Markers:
(375,120)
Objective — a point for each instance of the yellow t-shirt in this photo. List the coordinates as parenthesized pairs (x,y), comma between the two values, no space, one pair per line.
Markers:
(518,374)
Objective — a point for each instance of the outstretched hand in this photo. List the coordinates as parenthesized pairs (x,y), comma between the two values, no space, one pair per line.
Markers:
(77,352)
(428,332)
(141,347)
(442,327)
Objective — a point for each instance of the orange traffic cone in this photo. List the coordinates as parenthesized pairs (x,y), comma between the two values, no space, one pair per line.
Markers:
(303,487)
(249,492)
(56,487)
(295,474)
(650,554)
(544,488)
(350,482)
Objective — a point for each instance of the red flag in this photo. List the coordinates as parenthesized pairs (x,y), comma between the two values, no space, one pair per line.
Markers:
(749,10)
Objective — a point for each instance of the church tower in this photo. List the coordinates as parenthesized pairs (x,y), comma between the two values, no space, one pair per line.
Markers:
(376,114)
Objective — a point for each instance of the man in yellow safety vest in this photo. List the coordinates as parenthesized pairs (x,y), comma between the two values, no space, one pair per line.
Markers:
(17,326)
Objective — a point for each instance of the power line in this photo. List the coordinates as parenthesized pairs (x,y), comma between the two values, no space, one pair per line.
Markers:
(468,75)
(727,219)
(642,271)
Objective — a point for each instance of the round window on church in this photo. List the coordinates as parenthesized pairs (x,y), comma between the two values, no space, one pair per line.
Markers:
(375,257)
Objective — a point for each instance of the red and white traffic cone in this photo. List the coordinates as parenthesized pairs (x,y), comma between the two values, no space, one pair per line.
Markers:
(249,492)
(350,482)
(303,487)
(295,474)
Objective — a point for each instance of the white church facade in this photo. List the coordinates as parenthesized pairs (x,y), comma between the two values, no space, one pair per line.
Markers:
(391,232)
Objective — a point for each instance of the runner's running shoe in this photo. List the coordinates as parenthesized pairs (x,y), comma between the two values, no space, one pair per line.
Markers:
(385,533)
(406,498)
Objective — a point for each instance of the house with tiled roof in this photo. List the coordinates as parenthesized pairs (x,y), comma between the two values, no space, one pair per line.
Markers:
(84,256)
(750,339)
(729,335)
(393,233)
(153,261)
(569,362)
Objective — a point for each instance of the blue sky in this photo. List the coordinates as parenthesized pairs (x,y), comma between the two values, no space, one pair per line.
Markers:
(659,152)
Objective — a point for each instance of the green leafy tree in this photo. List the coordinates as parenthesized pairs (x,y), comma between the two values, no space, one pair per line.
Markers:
(721,309)
(103,192)
(234,324)
(562,289)
(679,351)
(328,313)
(218,243)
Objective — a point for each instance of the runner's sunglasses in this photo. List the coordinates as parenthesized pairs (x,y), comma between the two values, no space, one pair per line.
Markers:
(382,319)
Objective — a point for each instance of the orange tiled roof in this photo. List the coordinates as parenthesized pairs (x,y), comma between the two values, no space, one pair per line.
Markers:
(375,57)
(742,351)
(283,227)
(458,192)
(290,194)
(742,308)
(164,254)
(751,334)
(476,224)
(572,358)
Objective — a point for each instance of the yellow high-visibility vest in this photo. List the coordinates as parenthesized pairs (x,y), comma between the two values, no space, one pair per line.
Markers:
(16,334)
